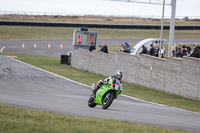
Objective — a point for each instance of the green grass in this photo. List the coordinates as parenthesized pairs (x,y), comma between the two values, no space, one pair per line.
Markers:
(19,120)
(52,64)
(33,32)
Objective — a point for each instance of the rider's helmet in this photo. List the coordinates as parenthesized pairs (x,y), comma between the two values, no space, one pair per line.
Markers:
(118,74)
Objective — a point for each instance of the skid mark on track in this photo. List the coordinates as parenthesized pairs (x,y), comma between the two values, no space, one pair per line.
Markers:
(9,70)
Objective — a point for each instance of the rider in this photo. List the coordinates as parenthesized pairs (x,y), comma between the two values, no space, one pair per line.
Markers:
(116,80)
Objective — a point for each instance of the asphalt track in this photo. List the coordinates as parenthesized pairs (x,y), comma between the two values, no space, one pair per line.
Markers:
(15,46)
(26,86)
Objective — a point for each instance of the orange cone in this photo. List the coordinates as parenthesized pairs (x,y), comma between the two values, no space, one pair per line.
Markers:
(23,45)
(61,46)
(49,46)
(35,46)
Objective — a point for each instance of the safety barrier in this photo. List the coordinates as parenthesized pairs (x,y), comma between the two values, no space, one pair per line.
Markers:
(111,26)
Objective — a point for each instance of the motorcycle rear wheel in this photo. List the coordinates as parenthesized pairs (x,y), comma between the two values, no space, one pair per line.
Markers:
(107,100)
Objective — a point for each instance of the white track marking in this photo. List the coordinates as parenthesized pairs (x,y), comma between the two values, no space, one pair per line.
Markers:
(2,49)
(90,87)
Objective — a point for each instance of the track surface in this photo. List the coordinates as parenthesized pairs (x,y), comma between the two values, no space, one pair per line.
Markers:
(15,46)
(25,86)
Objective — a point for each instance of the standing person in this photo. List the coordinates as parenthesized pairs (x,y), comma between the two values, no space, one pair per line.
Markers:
(127,47)
(78,39)
(173,51)
(195,46)
(144,50)
(178,51)
(184,51)
(123,49)
(151,50)
(156,50)
(198,52)
(189,51)
(92,47)
(162,52)
(195,50)
(104,48)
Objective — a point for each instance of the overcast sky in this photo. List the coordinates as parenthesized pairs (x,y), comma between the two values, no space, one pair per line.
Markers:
(101,7)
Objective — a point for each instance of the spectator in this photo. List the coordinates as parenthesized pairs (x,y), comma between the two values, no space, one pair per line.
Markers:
(178,51)
(123,49)
(173,51)
(162,52)
(195,46)
(189,50)
(198,52)
(127,47)
(156,50)
(195,50)
(184,51)
(151,50)
(104,48)
(92,47)
(144,50)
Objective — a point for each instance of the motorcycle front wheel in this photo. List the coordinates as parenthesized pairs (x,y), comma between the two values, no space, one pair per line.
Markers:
(91,102)
(107,100)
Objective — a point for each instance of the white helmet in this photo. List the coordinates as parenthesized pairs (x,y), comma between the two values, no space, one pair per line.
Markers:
(118,74)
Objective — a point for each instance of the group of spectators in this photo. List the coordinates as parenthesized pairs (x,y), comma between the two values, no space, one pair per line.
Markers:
(153,51)
(185,51)
(125,48)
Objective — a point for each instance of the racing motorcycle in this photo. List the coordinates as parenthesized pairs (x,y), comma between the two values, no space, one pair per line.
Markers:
(105,95)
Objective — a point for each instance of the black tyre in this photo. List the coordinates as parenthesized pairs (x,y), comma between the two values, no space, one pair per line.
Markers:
(91,102)
(107,100)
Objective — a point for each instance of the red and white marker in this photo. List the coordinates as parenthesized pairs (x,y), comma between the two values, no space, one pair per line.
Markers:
(49,46)
(35,46)
(23,45)
(61,46)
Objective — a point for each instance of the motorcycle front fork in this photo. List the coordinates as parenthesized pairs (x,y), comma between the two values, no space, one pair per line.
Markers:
(93,95)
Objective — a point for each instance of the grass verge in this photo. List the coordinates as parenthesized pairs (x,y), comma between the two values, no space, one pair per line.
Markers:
(95,19)
(52,64)
(33,32)
(18,120)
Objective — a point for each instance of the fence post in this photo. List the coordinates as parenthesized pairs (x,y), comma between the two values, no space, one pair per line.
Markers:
(116,64)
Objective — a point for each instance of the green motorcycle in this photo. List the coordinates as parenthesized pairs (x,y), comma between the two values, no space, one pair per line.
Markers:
(105,95)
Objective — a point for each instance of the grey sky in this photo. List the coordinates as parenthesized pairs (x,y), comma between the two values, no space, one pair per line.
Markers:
(100,7)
